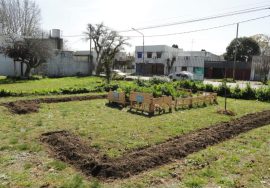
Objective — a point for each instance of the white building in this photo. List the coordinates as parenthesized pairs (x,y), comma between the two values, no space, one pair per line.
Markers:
(158,60)
(193,61)
(155,59)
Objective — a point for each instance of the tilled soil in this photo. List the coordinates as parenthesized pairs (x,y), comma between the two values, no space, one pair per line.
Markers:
(22,107)
(73,150)
(31,106)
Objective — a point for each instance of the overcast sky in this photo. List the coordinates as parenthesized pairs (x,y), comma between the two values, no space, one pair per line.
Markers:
(72,17)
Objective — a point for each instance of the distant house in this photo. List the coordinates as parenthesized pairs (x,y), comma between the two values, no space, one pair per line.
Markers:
(155,58)
(159,57)
(194,62)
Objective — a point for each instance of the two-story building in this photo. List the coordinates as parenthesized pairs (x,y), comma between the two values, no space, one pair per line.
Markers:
(154,59)
(157,59)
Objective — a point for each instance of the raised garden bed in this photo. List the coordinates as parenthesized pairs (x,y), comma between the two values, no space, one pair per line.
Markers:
(117,97)
(145,102)
(202,98)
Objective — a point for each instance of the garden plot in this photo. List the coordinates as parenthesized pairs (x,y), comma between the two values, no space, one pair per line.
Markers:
(31,106)
(146,102)
(73,150)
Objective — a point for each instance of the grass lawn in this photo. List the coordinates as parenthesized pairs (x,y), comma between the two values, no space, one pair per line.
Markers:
(25,162)
(29,86)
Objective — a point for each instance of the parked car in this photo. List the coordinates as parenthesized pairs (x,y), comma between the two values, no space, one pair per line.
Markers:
(183,75)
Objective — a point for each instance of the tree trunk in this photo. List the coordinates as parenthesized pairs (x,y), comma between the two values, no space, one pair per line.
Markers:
(98,69)
(107,66)
(27,71)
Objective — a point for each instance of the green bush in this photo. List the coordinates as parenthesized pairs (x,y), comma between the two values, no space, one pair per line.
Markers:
(236,92)
(209,88)
(74,90)
(248,93)
(5,93)
(263,94)
(156,80)
(221,90)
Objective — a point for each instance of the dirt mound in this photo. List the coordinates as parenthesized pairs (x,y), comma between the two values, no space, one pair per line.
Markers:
(73,150)
(22,107)
(31,106)
(226,112)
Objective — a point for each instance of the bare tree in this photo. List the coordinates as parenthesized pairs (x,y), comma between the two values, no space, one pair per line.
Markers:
(107,43)
(264,43)
(31,52)
(21,17)
(170,63)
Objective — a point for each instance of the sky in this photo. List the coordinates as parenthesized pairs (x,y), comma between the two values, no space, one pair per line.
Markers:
(72,17)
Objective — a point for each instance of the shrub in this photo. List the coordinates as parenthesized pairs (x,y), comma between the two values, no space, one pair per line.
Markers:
(74,90)
(263,94)
(156,80)
(5,93)
(209,88)
(222,88)
(140,83)
(248,93)
(236,92)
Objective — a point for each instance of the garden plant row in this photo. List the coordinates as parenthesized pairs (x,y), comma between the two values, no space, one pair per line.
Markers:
(156,87)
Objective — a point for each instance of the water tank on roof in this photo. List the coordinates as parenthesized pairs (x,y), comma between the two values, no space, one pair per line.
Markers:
(55,33)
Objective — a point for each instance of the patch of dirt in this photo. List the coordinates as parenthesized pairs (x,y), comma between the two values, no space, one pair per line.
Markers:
(226,112)
(73,150)
(32,106)
(22,107)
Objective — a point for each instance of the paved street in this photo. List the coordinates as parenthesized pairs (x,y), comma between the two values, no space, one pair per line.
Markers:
(242,84)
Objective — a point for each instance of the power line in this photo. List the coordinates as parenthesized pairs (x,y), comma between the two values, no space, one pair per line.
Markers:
(247,6)
(234,13)
(204,29)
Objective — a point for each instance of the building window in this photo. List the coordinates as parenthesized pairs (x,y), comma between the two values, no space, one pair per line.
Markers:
(149,54)
(184,68)
(159,54)
(186,58)
(139,55)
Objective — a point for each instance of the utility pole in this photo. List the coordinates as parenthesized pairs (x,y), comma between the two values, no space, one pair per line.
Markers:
(143,41)
(225,92)
(90,53)
(235,51)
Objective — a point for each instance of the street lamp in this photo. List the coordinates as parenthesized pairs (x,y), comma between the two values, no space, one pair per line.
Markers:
(143,40)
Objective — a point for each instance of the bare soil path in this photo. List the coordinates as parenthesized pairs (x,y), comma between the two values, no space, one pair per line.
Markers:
(71,149)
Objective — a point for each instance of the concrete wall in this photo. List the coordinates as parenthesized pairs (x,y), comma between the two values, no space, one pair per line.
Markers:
(63,64)
(260,68)
(8,67)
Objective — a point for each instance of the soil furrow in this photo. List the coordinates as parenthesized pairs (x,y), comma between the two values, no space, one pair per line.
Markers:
(32,106)
(73,150)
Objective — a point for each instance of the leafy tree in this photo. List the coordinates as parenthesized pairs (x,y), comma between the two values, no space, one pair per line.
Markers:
(246,48)
(107,44)
(175,46)
(264,43)
(31,52)
(21,17)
